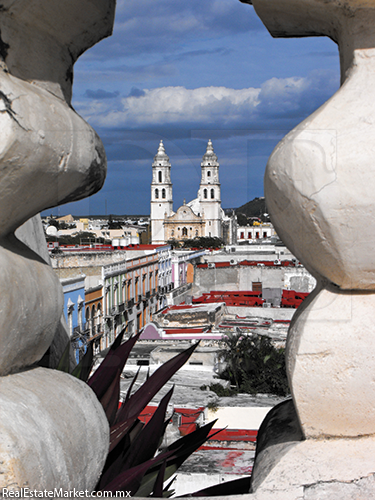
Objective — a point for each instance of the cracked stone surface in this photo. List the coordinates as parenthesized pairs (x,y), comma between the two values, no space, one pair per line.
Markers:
(319,183)
(48,156)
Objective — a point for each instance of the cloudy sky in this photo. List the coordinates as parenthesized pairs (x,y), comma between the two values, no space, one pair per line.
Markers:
(186,72)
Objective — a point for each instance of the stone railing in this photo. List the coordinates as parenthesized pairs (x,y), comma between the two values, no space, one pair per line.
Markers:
(53,431)
(319,186)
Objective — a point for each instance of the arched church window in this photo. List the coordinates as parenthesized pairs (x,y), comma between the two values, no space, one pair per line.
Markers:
(196,232)
(160,176)
(205,193)
(172,232)
(184,231)
(212,194)
(208,173)
(156,193)
(163,193)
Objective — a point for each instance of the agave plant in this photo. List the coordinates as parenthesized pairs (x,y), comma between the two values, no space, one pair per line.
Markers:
(133,463)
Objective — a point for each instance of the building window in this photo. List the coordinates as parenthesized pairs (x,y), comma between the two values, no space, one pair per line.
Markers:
(172,232)
(196,232)
(99,318)
(205,193)
(184,231)
(264,234)
(160,176)
(93,320)
(212,194)
(257,235)
(156,193)
(163,193)
(208,174)
(249,236)
(242,235)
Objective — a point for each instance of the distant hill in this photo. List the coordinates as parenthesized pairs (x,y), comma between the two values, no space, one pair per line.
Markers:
(254,208)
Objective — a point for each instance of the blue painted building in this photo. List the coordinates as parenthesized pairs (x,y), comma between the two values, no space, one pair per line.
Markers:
(74,312)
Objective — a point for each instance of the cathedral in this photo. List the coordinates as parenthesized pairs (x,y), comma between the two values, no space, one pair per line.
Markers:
(200,217)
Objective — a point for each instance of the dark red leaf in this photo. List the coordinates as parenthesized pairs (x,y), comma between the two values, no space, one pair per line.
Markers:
(115,458)
(182,448)
(141,449)
(83,369)
(236,487)
(147,391)
(118,431)
(158,486)
(110,399)
(130,480)
(147,442)
(115,360)
(131,386)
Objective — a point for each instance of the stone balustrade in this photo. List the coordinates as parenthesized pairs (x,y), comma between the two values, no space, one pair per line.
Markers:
(319,182)
(53,431)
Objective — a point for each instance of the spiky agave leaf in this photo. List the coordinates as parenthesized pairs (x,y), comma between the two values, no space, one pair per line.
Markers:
(130,410)
(83,369)
(147,442)
(183,448)
(167,492)
(141,449)
(115,360)
(131,479)
(158,486)
(110,398)
(64,363)
(239,486)
(147,391)
(128,394)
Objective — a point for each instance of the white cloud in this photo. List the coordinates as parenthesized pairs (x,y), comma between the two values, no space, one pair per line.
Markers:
(168,105)
(207,106)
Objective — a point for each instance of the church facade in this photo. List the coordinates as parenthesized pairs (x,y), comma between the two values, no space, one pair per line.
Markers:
(200,217)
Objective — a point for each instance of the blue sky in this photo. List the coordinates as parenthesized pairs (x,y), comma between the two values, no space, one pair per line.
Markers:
(186,72)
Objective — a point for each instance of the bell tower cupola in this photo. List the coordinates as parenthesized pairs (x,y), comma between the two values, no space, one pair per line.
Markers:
(209,194)
(161,194)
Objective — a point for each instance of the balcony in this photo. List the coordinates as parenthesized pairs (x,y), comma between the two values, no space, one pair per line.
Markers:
(130,303)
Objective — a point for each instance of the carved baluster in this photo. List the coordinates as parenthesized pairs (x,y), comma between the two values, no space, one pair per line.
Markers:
(319,186)
(53,432)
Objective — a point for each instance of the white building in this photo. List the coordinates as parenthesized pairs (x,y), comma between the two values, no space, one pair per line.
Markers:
(201,217)
(255,232)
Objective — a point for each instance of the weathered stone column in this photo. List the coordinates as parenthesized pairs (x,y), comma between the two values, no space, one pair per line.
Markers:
(53,431)
(320,191)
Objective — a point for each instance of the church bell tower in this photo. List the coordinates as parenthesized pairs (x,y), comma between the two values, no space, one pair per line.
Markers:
(161,194)
(209,194)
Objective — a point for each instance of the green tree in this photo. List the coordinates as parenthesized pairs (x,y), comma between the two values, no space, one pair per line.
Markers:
(254,365)
(204,242)
(242,220)
(174,243)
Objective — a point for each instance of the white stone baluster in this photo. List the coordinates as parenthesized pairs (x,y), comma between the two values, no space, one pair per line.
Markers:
(320,191)
(53,431)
